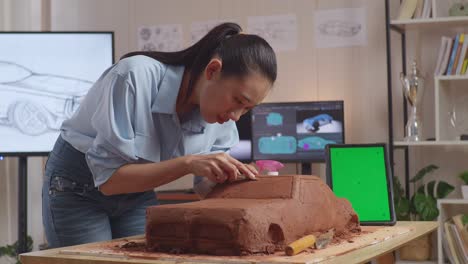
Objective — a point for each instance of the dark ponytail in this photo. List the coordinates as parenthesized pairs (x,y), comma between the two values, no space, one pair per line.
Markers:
(239,53)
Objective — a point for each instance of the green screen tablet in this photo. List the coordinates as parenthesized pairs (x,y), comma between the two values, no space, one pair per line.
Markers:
(360,173)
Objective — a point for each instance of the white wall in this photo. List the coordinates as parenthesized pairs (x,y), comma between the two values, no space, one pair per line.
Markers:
(305,74)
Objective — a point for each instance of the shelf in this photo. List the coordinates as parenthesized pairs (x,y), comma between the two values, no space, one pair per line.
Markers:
(431,143)
(452,201)
(451,78)
(429,23)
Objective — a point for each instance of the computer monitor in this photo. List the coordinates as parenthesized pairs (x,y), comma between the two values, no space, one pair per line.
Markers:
(243,150)
(296,131)
(43,78)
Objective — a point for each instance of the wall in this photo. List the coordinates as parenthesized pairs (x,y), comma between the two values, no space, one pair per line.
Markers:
(356,75)
(305,74)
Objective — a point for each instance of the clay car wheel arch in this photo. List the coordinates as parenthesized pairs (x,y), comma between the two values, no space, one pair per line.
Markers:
(28,117)
(275,234)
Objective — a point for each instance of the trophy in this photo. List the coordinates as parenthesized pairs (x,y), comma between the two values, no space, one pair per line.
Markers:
(413,90)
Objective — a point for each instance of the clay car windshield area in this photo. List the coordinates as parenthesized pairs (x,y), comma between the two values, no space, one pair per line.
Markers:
(271,188)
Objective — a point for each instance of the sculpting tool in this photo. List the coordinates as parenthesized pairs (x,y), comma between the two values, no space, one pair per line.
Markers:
(308,241)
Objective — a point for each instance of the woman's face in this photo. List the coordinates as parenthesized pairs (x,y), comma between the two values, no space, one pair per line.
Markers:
(224,99)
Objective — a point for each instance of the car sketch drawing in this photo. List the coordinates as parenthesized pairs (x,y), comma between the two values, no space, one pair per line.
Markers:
(277,145)
(314,143)
(340,28)
(35,103)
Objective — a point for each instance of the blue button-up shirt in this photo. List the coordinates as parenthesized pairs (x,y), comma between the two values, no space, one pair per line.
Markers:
(129,116)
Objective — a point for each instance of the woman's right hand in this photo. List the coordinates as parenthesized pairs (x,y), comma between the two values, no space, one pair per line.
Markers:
(220,167)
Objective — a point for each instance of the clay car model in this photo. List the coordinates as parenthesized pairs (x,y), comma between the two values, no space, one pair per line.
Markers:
(274,119)
(314,143)
(277,145)
(313,124)
(249,217)
(35,103)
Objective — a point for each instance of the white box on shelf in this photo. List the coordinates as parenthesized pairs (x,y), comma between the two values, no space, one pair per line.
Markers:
(465,191)
(450,93)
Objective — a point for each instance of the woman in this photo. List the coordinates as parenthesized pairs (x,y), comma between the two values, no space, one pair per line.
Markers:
(150,119)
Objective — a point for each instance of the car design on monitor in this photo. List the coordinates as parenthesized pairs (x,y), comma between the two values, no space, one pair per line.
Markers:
(314,143)
(277,145)
(314,123)
(35,103)
(274,119)
(221,223)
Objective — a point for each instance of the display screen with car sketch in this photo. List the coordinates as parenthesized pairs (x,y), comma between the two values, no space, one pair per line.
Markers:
(43,78)
(297,131)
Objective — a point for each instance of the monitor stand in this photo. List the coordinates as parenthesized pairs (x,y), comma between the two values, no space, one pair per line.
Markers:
(306,168)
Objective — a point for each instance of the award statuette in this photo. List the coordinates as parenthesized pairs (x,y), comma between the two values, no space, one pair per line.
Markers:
(413,90)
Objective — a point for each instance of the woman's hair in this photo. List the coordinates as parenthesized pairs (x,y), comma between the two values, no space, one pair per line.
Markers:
(240,54)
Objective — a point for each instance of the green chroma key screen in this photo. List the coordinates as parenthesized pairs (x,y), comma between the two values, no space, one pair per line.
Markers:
(360,175)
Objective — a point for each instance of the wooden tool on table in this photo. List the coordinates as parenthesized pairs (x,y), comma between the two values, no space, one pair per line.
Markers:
(308,241)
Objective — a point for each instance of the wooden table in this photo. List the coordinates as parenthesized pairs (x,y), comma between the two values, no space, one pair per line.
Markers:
(366,253)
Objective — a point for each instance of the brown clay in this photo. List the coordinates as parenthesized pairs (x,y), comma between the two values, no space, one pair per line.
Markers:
(250,217)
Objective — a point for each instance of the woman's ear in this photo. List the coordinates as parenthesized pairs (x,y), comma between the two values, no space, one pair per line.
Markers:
(213,68)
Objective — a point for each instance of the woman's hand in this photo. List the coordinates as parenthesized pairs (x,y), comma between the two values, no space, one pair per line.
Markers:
(220,167)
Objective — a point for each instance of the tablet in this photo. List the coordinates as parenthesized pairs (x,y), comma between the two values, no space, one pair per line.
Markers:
(361,174)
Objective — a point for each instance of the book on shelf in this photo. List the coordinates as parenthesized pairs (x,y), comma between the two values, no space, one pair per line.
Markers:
(452,252)
(452,58)
(465,65)
(445,51)
(453,54)
(418,12)
(453,241)
(462,228)
(427,9)
(461,249)
(462,57)
(415,9)
(461,39)
(446,248)
(407,9)
(443,56)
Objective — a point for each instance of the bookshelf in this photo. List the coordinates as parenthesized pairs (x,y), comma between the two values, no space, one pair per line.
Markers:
(443,90)
(431,143)
(447,209)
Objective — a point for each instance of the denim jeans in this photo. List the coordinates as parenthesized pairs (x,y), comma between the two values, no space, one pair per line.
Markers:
(75,212)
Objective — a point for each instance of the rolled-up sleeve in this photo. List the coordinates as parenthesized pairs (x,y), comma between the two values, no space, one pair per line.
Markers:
(113,121)
(228,138)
